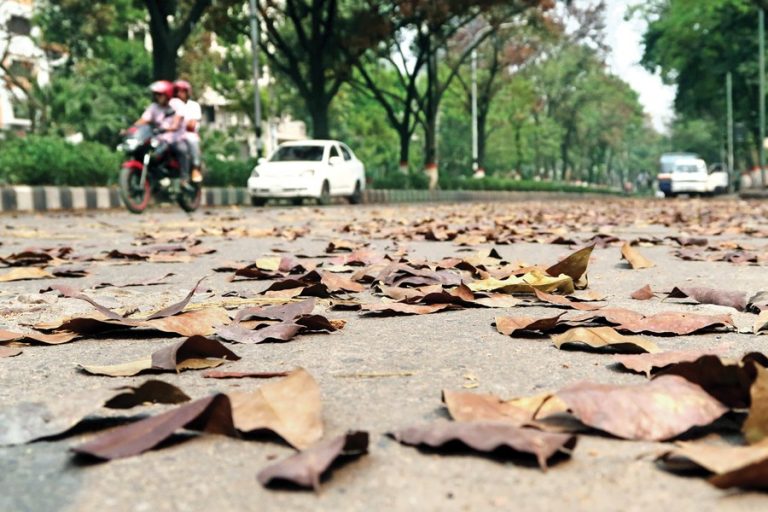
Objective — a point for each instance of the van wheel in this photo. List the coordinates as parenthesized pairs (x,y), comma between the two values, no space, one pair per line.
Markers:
(258,201)
(297,201)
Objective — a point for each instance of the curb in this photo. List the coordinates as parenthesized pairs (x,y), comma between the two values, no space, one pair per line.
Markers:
(24,198)
(754,193)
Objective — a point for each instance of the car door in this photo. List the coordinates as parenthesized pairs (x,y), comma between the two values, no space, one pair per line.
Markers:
(354,167)
(336,171)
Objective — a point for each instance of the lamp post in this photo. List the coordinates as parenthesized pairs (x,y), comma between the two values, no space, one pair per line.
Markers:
(475,148)
(729,108)
(256,75)
(761,60)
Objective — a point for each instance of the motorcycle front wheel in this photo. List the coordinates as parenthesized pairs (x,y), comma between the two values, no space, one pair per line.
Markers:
(134,196)
(189,200)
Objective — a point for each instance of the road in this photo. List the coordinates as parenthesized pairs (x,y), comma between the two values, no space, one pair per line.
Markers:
(375,374)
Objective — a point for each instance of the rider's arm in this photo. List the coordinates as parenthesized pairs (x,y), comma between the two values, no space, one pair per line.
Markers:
(191,125)
(175,124)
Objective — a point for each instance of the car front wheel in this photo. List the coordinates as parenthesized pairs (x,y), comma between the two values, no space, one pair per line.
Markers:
(357,195)
(325,194)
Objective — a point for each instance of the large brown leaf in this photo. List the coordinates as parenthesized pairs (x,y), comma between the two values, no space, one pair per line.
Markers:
(26,421)
(559,300)
(24,274)
(283,331)
(728,381)
(305,468)
(466,406)
(652,363)
(212,415)
(654,411)
(196,352)
(676,323)
(603,339)
(487,437)
(290,407)
(37,337)
(281,312)
(737,300)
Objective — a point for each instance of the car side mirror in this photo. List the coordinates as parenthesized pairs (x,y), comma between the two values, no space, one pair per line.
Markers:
(261,160)
(335,160)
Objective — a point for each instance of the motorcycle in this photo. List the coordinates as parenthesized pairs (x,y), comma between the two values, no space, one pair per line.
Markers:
(152,169)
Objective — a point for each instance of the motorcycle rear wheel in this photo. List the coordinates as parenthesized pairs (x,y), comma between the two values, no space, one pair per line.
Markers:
(134,196)
(189,200)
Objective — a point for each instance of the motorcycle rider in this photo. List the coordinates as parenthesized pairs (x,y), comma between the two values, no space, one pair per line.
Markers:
(192,116)
(167,113)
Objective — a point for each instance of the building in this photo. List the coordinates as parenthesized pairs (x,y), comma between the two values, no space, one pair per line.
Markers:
(23,63)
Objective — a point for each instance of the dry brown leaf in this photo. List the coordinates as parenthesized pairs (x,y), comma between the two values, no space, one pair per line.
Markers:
(574,266)
(654,411)
(733,299)
(559,300)
(756,425)
(290,407)
(509,325)
(635,259)
(603,339)
(24,274)
(305,468)
(487,437)
(652,363)
(644,293)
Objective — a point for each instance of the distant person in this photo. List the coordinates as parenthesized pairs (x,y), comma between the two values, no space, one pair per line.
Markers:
(167,113)
(192,116)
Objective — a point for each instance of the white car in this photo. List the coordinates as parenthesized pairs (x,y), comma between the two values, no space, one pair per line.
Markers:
(316,169)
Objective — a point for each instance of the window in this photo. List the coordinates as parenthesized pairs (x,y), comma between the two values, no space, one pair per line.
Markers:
(209,113)
(346,152)
(334,152)
(19,25)
(20,108)
(298,154)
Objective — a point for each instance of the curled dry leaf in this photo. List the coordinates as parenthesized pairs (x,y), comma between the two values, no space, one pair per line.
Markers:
(466,406)
(728,381)
(37,337)
(487,437)
(654,411)
(634,258)
(9,351)
(24,274)
(603,339)
(758,303)
(756,425)
(401,308)
(26,421)
(194,353)
(216,374)
(652,363)
(509,325)
(574,265)
(733,299)
(733,466)
(283,331)
(676,323)
(281,312)
(290,407)
(559,300)
(212,415)
(527,283)
(307,467)
(178,307)
(644,293)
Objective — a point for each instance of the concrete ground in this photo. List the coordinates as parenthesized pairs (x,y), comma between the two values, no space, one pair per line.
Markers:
(450,350)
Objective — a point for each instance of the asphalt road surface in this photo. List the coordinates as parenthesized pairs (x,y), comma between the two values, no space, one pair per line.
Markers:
(375,374)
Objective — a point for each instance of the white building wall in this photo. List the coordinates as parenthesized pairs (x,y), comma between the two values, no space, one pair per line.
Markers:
(20,48)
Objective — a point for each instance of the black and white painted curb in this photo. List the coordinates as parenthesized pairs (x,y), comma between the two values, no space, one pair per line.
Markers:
(31,199)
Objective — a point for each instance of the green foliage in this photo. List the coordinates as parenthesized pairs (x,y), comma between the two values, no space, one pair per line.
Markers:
(497,183)
(44,160)
(225,173)
(400,180)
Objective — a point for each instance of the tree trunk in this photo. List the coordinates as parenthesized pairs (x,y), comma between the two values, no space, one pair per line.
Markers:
(482,135)
(430,114)
(519,150)
(164,58)
(318,110)
(405,147)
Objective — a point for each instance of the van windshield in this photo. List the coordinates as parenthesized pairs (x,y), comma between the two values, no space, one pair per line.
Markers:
(686,168)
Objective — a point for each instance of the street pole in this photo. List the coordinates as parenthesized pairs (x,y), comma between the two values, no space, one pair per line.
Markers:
(729,105)
(256,75)
(475,149)
(761,44)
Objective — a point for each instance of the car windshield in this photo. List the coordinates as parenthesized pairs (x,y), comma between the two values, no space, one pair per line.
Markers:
(686,168)
(298,154)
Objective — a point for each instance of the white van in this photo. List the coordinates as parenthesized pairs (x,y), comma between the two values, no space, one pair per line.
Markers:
(684,173)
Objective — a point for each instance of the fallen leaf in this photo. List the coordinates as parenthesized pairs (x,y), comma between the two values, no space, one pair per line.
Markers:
(281,312)
(652,363)
(212,415)
(574,265)
(290,407)
(38,337)
(487,437)
(654,411)
(401,308)
(635,259)
(644,293)
(761,322)
(509,325)
(466,406)
(756,425)
(196,352)
(603,339)
(284,331)
(737,300)
(27,421)
(559,300)
(175,309)
(24,274)
(216,374)
(676,323)
(9,351)
(306,468)
(534,280)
